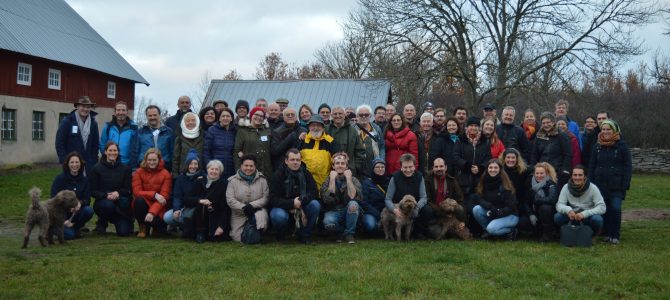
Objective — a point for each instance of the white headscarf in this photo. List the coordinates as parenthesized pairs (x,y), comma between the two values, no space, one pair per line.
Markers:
(190,133)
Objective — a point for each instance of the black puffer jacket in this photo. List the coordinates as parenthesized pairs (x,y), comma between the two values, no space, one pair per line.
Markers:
(554,148)
(108,177)
(284,138)
(436,148)
(611,169)
(500,199)
(282,194)
(513,136)
(465,156)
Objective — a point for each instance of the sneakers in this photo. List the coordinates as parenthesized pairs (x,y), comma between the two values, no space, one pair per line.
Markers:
(350,239)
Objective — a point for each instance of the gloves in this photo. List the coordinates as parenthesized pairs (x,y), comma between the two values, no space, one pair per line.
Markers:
(533,220)
(249,210)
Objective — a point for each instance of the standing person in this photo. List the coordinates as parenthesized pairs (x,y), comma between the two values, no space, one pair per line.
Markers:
(374,193)
(305,114)
(152,185)
(519,174)
(440,120)
(324,111)
(247,197)
(552,146)
(211,218)
(512,135)
(283,104)
(530,127)
(111,187)
(286,136)
(611,169)
(293,193)
(562,124)
(208,116)
(190,137)
(122,131)
(155,135)
(409,115)
(72,178)
(431,144)
(496,210)
(219,105)
(580,201)
(341,194)
(242,118)
(428,107)
(346,139)
(262,103)
(79,132)
(390,111)
(274,116)
(372,138)
(542,200)
(439,187)
(399,140)
(184,106)
(316,148)
(489,131)
(461,114)
(451,138)
(220,141)
(561,110)
(589,125)
(470,157)
(407,181)
(380,117)
(592,138)
(255,140)
(489,112)
(180,214)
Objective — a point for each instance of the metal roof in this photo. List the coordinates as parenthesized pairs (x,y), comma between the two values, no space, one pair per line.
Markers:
(313,92)
(53,30)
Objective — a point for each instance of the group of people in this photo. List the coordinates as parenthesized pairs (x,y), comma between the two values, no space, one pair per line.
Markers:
(213,174)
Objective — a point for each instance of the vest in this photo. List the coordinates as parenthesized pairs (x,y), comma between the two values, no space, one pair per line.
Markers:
(406,186)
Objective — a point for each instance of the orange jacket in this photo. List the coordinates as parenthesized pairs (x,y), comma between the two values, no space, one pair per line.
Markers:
(146,183)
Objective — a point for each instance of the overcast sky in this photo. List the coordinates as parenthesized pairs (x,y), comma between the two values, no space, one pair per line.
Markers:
(173,43)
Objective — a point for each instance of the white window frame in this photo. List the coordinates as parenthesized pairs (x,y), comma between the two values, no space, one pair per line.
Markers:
(38,126)
(24,74)
(55,80)
(8,125)
(111,89)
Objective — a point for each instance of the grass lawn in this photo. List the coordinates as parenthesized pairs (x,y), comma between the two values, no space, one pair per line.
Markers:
(111,267)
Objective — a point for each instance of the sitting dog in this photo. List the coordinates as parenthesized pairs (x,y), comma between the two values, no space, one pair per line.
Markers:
(391,222)
(448,221)
(49,215)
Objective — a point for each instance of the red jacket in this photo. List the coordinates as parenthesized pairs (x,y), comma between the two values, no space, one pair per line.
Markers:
(576,152)
(497,149)
(397,144)
(146,183)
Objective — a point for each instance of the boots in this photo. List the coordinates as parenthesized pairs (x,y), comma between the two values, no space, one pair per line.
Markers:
(144,231)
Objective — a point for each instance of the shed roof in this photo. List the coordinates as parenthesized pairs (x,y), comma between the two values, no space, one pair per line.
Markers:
(53,30)
(313,92)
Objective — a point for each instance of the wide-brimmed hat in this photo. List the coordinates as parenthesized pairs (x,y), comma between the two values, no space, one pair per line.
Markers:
(85,101)
(316,119)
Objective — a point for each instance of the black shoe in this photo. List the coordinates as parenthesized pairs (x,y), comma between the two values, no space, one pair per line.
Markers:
(200,238)
(512,235)
(100,230)
(484,236)
(85,230)
(280,237)
(305,240)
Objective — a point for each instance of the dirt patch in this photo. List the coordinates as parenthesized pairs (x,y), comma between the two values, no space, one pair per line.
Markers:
(645,214)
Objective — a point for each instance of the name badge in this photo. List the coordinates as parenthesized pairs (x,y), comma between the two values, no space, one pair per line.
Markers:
(75,129)
(264,138)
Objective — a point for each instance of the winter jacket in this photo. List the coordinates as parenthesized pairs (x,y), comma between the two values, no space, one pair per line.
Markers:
(448,154)
(125,137)
(284,138)
(183,186)
(451,186)
(282,193)
(347,140)
(68,139)
(521,183)
(496,148)
(400,185)
(174,121)
(109,177)
(316,153)
(79,184)
(590,142)
(591,202)
(373,198)
(549,195)
(611,169)
(499,199)
(436,148)
(145,141)
(513,136)
(465,156)
(240,193)
(373,144)
(339,199)
(216,193)
(254,141)
(219,143)
(397,144)
(573,127)
(554,148)
(576,152)
(181,147)
(148,182)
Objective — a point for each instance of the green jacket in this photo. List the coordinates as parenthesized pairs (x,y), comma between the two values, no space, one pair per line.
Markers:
(347,140)
(254,141)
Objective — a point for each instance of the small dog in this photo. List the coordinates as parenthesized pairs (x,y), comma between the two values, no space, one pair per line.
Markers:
(449,222)
(392,223)
(49,215)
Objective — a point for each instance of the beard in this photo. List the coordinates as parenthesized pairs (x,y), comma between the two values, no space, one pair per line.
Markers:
(316,134)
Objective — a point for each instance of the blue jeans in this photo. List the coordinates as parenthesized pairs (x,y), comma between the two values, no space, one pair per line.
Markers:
(169,219)
(612,217)
(342,220)
(595,221)
(109,212)
(84,214)
(497,226)
(370,224)
(280,217)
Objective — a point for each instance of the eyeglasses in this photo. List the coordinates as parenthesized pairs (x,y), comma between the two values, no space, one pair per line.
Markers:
(259,115)
(290,115)
(364,115)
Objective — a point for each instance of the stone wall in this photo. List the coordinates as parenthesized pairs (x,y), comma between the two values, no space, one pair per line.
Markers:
(651,160)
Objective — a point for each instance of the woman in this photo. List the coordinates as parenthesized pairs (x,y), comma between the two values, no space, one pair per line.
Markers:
(182,215)
(189,137)
(529,124)
(152,185)
(554,147)
(73,179)
(211,217)
(254,139)
(589,124)
(112,190)
(518,173)
(497,209)
(399,140)
(305,113)
(452,138)
(374,193)
(208,117)
(247,196)
(611,169)
(543,197)
(489,131)
(470,157)
(562,124)
(219,142)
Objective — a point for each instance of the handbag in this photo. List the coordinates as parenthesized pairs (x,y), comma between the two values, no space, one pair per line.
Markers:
(576,234)
(250,234)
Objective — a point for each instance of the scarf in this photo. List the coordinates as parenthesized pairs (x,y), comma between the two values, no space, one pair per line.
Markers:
(529,129)
(537,185)
(210,181)
(454,138)
(608,142)
(492,183)
(84,128)
(381,181)
(190,133)
(296,176)
(248,178)
(578,191)
(365,132)
(442,192)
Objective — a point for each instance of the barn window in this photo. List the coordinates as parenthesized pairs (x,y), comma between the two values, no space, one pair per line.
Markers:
(111,89)
(24,74)
(38,125)
(8,124)
(54,79)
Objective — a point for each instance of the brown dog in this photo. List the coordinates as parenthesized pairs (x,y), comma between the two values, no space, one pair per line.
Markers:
(49,215)
(392,223)
(449,222)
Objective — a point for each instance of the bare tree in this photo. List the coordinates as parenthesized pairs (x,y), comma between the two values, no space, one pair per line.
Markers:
(232,75)
(273,67)
(200,92)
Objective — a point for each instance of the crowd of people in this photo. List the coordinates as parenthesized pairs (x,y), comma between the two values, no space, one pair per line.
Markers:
(273,168)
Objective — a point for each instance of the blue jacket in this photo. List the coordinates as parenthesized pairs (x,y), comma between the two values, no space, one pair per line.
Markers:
(79,184)
(125,137)
(183,185)
(373,198)
(611,169)
(68,139)
(145,140)
(219,144)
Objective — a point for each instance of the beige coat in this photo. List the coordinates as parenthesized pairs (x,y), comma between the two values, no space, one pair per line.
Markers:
(240,193)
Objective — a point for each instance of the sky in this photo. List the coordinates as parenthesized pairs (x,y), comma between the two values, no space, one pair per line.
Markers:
(172,44)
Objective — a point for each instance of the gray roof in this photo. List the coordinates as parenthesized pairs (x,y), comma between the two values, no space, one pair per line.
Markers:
(313,92)
(53,30)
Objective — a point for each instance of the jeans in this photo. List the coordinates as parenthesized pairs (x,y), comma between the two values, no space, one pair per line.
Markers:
(279,218)
(109,212)
(84,214)
(612,217)
(342,220)
(595,221)
(371,224)
(169,219)
(497,226)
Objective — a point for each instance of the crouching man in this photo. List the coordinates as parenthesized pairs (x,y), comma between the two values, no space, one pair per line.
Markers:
(340,194)
(407,181)
(580,201)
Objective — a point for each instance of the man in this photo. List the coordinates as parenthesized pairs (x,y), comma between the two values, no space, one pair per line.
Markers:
(406,181)
(409,114)
(431,144)
(372,138)
(184,106)
(461,114)
(262,103)
(347,140)
(219,105)
(274,116)
(390,111)
(440,120)
(79,132)
(286,136)
(428,107)
(512,135)
(580,201)
(553,147)
(561,110)
(241,110)
(324,112)
(341,193)
(283,103)
(439,187)
(489,112)
(254,139)
(155,135)
(316,148)
(123,131)
(293,192)
(592,138)
(380,117)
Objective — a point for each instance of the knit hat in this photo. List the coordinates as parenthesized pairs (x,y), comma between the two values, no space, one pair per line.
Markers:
(473,120)
(257,109)
(378,160)
(317,119)
(427,105)
(612,124)
(241,103)
(191,156)
(322,106)
(221,101)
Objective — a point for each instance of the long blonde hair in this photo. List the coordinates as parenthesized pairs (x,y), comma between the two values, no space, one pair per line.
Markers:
(551,172)
(520,162)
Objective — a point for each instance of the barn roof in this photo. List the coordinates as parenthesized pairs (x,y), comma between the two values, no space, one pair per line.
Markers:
(313,92)
(53,30)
